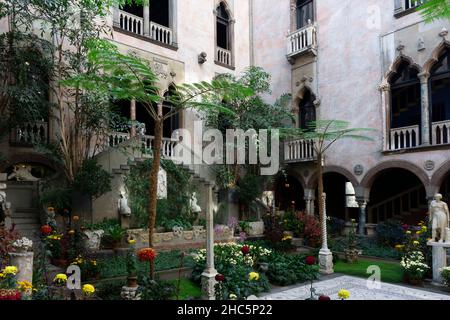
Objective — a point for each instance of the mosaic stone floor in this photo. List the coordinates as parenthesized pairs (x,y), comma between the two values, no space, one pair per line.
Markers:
(358,291)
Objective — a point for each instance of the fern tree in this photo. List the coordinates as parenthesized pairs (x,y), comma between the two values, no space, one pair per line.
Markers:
(325,134)
(129,77)
(435,9)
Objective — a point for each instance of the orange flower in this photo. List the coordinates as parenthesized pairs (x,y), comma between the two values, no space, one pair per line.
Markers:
(146,254)
(75,218)
(71,232)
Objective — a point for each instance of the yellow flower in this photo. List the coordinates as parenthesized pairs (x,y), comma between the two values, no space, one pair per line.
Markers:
(51,209)
(71,232)
(416,243)
(344,294)
(94,262)
(88,289)
(286,238)
(408,232)
(75,218)
(60,278)
(399,247)
(424,229)
(10,270)
(2,275)
(233,296)
(253,276)
(24,286)
(131,241)
(419,232)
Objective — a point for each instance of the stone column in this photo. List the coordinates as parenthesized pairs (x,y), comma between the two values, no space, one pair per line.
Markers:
(173,21)
(362,216)
(116,17)
(386,115)
(146,20)
(208,276)
(325,255)
(309,199)
(439,257)
(425,102)
(133,117)
(24,262)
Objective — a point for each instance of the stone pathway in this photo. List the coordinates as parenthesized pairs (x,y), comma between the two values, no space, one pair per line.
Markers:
(358,291)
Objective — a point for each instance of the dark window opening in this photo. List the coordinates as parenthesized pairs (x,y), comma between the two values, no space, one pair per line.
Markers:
(173,123)
(307,109)
(159,12)
(134,9)
(406,97)
(440,88)
(305,13)
(222,29)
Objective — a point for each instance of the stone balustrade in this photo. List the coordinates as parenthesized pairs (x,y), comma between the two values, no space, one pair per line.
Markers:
(404,138)
(299,150)
(441,132)
(30,133)
(131,23)
(301,40)
(223,56)
(160,33)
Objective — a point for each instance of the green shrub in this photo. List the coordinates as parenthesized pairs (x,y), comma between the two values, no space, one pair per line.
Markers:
(104,225)
(285,270)
(156,290)
(390,233)
(109,289)
(445,273)
(92,179)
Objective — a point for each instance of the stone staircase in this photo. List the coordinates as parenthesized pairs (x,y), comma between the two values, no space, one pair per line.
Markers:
(27,222)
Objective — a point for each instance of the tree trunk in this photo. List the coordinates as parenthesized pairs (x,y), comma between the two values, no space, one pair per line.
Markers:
(153,195)
(320,187)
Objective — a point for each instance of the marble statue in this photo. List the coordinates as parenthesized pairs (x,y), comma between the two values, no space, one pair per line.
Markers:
(4,205)
(162,184)
(439,219)
(124,208)
(22,173)
(195,208)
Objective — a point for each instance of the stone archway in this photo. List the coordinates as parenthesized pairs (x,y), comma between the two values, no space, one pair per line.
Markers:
(289,192)
(441,179)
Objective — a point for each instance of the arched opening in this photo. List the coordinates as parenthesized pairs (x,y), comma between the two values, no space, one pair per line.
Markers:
(405,116)
(223,27)
(397,194)
(307,110)
(305,13)
(445,188)
(440,99)
(340,197)
(289,194)
(173,123)
(159,12)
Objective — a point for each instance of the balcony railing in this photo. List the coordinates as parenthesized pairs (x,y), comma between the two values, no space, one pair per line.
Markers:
(223,56)
(441,132)
(30,133)
(406,6)
(409,4)
(299,150)
(301,40)
(404,138)
(135,24)
(131,23)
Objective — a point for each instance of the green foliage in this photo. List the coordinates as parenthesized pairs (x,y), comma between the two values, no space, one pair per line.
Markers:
(390,233)
(391,272)
(103,225)
(285,270)
(92,179)
(114,234)
(56,196)
(249,188)
(433,10)
(156,290)
(173,211)
(369,246)
(109,289)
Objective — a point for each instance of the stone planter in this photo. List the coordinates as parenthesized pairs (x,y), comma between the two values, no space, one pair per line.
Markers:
(24,262)
(92,239)
(256,229)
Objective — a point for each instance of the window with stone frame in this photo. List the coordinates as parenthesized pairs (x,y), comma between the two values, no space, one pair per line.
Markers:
(304,13)
(406,97)
(223,27)
(440,88)
(403,7)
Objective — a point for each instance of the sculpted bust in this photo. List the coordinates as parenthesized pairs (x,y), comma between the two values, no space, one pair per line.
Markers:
(439,219)
(124,209)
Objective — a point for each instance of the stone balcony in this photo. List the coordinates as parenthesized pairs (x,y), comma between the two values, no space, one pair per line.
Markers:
(300,150)
(301,41)
(29,134)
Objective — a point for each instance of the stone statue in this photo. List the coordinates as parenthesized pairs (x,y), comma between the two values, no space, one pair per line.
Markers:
(439,218)
(162,184)
(4,205)
(22,173)
(124,209)
(195,208)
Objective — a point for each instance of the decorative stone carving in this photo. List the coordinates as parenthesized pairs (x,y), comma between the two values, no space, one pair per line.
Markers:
(256,228)
(202,58)
(195,208)
(439,219)
(22,173)
(167,236)
(188,235)
(4,205)
(400,47)
(358,170)
(177,231)
(443,33)
(157,238)
(162,184)
(130,293)
(93,239)
(24,263)
(421,45)
(124,208)
(429,165)
(160,70)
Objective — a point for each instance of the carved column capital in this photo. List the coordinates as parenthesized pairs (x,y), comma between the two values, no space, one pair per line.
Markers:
(424,77)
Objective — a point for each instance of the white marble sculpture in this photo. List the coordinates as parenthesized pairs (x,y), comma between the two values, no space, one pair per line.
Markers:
(195,208)
(162,184)
(4,206)
(22,173)
(124,208)
(439,219)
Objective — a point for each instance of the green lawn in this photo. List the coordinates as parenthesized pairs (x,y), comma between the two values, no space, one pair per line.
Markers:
(390,271)
(188,289)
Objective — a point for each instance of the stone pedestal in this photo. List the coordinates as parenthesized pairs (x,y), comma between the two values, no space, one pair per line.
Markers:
(23,262)
(130,293)
(326,261)
(439,256)
(208,284)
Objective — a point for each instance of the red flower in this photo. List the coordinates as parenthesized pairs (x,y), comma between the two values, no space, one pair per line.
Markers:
(46,229)
(245,249)
(310,260)
(405,227)
(324,298)
(146,254)
(9,294)
(220,277)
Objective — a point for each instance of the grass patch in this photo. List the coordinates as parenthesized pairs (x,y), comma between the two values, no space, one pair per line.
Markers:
(116,267)
(188,289)
(391,272)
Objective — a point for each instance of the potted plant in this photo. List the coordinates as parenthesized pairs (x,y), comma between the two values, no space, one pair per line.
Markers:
(131,265)
(415,268)
(114,235)
(8,281)
(351,252)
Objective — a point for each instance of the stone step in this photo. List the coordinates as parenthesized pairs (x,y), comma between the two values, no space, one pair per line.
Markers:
(25,220)
(125,167)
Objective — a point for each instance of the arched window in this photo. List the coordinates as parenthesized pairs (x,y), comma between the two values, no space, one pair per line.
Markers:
(159,12)
(223,27)
(440,88)
(405,92)
(305,13)
(172,123)
(307,110)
